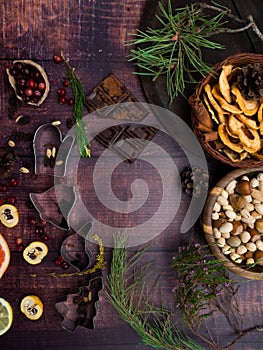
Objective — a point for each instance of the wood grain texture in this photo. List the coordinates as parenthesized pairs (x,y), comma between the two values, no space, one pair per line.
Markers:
(92,34)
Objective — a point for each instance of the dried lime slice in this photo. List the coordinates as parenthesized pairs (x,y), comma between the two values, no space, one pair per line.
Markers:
(6,316)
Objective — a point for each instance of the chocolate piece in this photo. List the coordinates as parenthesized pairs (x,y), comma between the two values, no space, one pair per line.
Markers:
(111,92)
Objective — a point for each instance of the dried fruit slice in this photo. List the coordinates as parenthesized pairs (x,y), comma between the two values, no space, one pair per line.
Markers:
(223,82)
(9,215)
(35,252)
(237,147)
(6,316)
(223,103)
(4,256)
(32,307)
(211,99)
(249,107)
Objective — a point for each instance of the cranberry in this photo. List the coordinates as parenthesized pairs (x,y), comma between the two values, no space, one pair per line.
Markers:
(20,92)
(13,71)
(28,92)
(32,220)
(13,183)
(19,241)
(41,86)
(37,93)
(57,58)
(40,230)
(42,222)
(2,201)
(3,188)
(59,260)
(45,237)
(18,66)
(62,92)
(66,82)
(11,200)
(26,71)
(31,83)
(20,247)
(70,101)
(35,74)
(62,100)
(64,265)
(26,98)
(21,82)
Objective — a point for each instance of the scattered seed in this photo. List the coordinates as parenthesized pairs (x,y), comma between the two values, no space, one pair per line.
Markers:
(11,143)
(90,296)
(59,162)
(56,123)
(24,170)
(48,152)
(53,152)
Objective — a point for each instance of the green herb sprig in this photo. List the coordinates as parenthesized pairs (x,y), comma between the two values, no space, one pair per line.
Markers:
(79,96)
(174,48)
(129,295)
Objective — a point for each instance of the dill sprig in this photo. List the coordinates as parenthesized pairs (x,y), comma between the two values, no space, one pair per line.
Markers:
(129,296)
(79,97)
(174,49)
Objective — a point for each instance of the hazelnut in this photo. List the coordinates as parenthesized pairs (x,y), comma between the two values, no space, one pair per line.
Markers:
(243,188)
(259,225)
(237,201)
(258,256)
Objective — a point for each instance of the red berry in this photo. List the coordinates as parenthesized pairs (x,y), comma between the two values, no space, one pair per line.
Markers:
(64,265)
(66,82)
(21,82)
(62,92)
(57,58)
(13,183)
(31,84)
(41,86)
(37,93)
(3,188)
(62,100)
(2,201)
(32,220)
(45,237)
(42,222)
(11,200)
(40,230)
(28,92)
(20,247)
(19,241)
(57,262)
(70,101)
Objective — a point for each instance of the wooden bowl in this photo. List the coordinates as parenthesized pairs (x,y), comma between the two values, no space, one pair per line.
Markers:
(200,115)
(254,273)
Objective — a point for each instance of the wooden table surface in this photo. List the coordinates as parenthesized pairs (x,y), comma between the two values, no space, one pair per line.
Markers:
(92,34)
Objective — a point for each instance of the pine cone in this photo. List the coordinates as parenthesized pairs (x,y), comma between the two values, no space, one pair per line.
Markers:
(194,181)
(250,81)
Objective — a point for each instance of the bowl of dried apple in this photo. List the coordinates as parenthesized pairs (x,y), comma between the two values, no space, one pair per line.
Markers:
(227,111)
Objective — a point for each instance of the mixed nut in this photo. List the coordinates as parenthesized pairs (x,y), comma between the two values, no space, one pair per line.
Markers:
(237,220)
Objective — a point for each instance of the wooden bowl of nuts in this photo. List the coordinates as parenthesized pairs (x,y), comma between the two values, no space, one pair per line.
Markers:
(233,222)
(227,111)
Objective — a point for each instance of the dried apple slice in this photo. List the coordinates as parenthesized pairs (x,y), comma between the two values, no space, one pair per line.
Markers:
(223,82)
(248,107)
(29,81)
(237,147)
(223,103)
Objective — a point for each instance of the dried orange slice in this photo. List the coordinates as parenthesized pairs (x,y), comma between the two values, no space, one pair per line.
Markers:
(4,256)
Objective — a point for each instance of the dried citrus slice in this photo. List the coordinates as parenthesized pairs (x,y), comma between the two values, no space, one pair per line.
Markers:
(9,215)
(4,255)
(6,316)
(35,252)
(32,307)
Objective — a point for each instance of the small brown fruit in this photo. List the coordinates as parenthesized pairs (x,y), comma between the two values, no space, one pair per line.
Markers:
(244,188)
